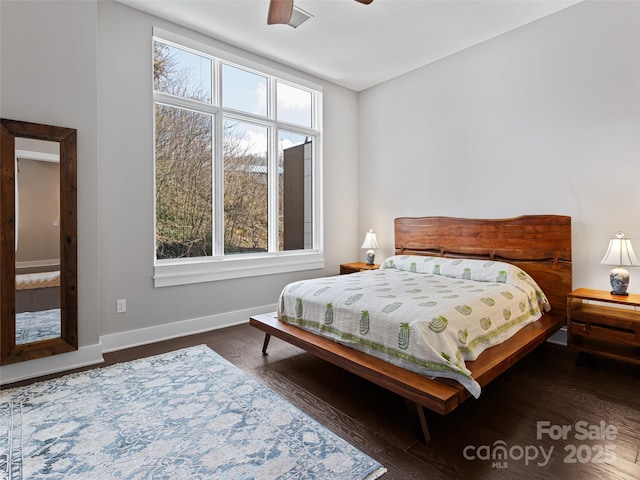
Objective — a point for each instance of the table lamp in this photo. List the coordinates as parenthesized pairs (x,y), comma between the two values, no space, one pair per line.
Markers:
(371,243)
(620,253)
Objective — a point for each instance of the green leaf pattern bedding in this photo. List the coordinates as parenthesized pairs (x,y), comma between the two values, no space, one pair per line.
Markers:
(426,314)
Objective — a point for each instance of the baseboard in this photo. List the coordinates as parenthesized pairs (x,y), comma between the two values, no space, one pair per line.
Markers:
(40,367)
(134,338)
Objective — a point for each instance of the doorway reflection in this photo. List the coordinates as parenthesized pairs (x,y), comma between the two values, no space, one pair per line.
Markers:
(37,255)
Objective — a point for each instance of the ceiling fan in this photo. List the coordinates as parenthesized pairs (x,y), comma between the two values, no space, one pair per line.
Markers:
(280,11)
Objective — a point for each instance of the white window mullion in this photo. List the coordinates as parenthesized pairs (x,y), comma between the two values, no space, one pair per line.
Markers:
(218,187)
(185,103)
(216,79)
(317,180)
(273,209)
(217,182)
(296,129)
(274,201)
(218,164)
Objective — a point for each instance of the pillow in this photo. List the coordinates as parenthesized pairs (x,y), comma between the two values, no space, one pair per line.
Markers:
(471,269)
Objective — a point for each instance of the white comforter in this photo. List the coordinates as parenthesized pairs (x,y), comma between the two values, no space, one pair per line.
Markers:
(426,314)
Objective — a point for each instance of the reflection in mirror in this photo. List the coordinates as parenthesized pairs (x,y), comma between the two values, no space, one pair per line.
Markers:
(38,241)
(37,261)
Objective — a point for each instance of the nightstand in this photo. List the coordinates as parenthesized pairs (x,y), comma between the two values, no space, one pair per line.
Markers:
(356,267)
(610,328)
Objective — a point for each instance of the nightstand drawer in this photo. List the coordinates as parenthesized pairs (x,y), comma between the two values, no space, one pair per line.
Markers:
(609,322)
(603,332)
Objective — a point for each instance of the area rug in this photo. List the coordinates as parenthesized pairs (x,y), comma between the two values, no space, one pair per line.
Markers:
(188,414)
(34,326)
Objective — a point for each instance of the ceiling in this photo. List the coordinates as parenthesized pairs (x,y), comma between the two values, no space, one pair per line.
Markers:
(351,44)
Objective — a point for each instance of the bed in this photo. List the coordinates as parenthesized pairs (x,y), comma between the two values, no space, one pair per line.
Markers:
(37,291)
(538,246)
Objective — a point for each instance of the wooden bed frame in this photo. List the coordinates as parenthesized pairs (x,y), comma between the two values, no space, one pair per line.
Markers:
(539,244)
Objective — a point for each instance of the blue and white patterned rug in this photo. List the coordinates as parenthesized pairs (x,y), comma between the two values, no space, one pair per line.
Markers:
(34,326)
(188,414)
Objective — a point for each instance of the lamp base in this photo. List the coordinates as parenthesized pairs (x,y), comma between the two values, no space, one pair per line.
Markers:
(370,256)
(620,294)
(619,279)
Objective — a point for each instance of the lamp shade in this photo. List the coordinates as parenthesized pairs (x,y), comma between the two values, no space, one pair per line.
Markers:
(370,241)
(620,252)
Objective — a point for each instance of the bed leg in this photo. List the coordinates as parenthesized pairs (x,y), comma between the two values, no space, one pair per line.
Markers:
(267,337)
(418,418)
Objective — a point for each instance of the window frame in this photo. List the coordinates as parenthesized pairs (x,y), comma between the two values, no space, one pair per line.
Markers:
(190,270)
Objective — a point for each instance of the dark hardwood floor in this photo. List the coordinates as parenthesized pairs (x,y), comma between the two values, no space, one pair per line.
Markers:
(601,398)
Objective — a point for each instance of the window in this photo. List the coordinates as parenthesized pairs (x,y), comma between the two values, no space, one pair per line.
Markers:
(237,162)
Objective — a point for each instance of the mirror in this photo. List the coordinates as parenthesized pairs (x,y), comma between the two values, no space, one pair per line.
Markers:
(38,249)
(37,240)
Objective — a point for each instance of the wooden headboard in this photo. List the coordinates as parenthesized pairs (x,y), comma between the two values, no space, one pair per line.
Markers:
(538,244)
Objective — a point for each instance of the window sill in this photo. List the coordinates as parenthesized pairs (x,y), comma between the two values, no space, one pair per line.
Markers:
(187,271)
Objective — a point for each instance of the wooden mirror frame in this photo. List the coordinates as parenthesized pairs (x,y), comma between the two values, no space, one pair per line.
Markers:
(10,352)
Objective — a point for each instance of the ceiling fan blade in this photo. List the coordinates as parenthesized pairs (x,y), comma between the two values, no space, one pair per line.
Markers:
(280,12)
(366,2)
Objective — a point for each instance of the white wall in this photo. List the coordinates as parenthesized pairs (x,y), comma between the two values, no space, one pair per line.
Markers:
(544,119)
(48,75)
(126,194)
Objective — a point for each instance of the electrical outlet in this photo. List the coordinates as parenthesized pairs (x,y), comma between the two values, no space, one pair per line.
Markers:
(121,305)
